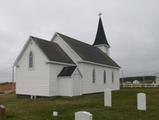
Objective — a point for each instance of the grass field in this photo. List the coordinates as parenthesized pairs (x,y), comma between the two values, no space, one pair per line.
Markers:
(124,106)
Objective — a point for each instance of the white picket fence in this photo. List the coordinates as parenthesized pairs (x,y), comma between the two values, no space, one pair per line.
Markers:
(144,85)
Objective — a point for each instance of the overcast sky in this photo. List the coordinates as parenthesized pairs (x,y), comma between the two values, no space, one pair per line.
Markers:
(131,26)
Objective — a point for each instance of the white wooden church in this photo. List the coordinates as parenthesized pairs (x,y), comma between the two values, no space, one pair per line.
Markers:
(65,66)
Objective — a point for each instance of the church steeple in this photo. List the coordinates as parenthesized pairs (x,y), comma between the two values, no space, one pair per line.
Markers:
(100,39)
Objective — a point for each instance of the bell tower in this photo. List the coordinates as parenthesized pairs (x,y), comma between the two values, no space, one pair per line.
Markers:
(100,39)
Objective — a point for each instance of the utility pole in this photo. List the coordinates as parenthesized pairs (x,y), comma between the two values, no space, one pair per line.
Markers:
(143,79)
(157,77)
(122,74)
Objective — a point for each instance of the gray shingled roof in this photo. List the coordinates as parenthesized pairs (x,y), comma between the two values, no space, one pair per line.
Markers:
(52,51)
(88,52)
(67,71)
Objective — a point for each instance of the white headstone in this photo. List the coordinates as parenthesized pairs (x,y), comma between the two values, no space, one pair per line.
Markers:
(2,106)
(31,97)
(107,98)
(34,97)
(141,101)
(83,115)
(55,113)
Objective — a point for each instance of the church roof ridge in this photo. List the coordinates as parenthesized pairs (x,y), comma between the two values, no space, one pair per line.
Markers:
(61,34)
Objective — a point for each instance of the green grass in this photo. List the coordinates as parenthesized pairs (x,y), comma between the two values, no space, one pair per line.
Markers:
(124,106)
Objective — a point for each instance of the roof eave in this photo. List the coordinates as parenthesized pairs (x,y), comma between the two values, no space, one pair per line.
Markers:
(99,64)
(108,46)
(64,76)
(60,63)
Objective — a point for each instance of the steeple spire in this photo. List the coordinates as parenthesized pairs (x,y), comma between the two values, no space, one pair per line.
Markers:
(100,35)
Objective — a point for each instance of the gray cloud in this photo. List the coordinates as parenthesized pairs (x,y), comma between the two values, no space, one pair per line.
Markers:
(131,27)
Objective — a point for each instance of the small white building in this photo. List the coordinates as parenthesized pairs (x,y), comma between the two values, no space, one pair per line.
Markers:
(136,82)
(65,66)
(157,78)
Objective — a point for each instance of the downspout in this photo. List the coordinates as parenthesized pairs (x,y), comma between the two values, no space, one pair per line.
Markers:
(12,74)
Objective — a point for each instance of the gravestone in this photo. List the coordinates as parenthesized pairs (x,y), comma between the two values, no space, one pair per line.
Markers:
(2,111)
(55,113)
(34,97)
(31,97)
(83,115)
(107,98)
(141,101)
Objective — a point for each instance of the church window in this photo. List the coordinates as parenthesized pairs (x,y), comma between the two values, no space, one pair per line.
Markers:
(93,76)
(112,77)
(104,76)
(31,59)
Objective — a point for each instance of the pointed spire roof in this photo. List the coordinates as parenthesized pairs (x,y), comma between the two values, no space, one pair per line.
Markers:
(100,36)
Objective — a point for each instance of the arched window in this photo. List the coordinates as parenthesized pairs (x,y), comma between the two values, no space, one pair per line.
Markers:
(31,59)
(112,77)
(93,76)
(104,77)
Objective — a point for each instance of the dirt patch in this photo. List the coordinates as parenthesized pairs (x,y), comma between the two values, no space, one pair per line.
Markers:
(7,88)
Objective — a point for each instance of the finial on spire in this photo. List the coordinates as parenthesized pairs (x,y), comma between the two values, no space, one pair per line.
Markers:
(100,14)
